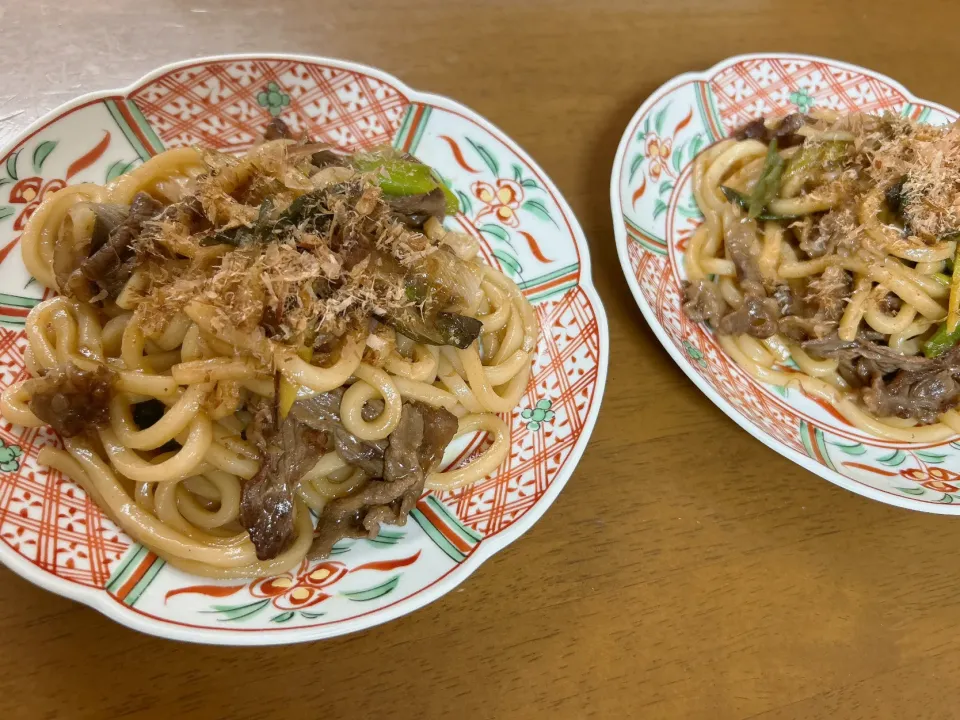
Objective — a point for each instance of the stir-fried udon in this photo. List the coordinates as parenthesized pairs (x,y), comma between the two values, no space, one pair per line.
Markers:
(241,344)
(827,259)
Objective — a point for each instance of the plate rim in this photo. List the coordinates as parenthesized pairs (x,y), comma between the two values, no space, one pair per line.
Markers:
(101,601)
(684,363)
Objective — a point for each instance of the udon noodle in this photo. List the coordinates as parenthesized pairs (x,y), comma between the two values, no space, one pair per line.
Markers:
(287,333)
(826,262)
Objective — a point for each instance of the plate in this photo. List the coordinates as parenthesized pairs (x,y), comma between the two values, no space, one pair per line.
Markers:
(655,215)
(55,537)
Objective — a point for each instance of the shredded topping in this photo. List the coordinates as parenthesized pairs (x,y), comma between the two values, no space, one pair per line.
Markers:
(299,264)
(923,161)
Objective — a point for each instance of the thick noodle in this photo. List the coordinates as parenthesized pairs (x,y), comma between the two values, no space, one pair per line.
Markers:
(921,291)
(184,504)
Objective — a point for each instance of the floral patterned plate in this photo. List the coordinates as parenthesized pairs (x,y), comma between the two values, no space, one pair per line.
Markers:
(655,214)
(51,534)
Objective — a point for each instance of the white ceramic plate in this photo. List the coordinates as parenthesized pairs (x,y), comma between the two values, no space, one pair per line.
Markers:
(55,537)
(655,214)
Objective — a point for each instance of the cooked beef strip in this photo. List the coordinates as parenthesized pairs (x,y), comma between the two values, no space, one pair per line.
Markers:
(907,386)
(359,515)
(277,129)
(787,301)
(72,400)
(703,302)
(67,257)
(785,131)
(288,448)
(753,130)
(111,265)
(889,360)
(439,427)
(415,447)
(797,328)
(891,304)
(402,457)
(757,316)
(415,210)
(325,158)
(740,242)
(363,454)
(398,466)
(322,412)
(922,395)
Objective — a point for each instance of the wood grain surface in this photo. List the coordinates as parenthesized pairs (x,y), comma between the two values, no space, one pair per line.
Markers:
(686,571)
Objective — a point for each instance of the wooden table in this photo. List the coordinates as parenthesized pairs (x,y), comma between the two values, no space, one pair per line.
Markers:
(686,570)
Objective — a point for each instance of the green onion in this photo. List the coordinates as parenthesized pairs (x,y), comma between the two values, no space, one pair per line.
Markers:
(743,202)
(941,341)
(768,184)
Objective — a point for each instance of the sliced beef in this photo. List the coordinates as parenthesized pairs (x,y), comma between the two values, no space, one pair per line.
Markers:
(703,302)
(415,210)
(893,384)
(68,256)
(363,454)
(890,304)
(787,301)
(288,448)
(757,316)
(322,412)
(414,448)
(439,427)
(887,359)
(797,328)
(325,158)
(922,395)
(785,131)
(277,129)
(402,456)
(110,265)
(359,515)
(753,130)
(741,244)
(72,400)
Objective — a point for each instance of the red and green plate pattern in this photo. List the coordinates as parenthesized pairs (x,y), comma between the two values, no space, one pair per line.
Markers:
(54,536)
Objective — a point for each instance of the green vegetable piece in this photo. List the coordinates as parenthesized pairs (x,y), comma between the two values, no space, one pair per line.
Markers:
(446,328)
(453,204)
(399,177)
(941,341)
(417,288)
(743,202)
(263,227)
(396,176)
(458,330)
(812,159)
(768,184)
(299,209)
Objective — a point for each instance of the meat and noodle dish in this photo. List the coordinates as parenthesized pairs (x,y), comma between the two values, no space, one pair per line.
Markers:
(827,261)
(251,357)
